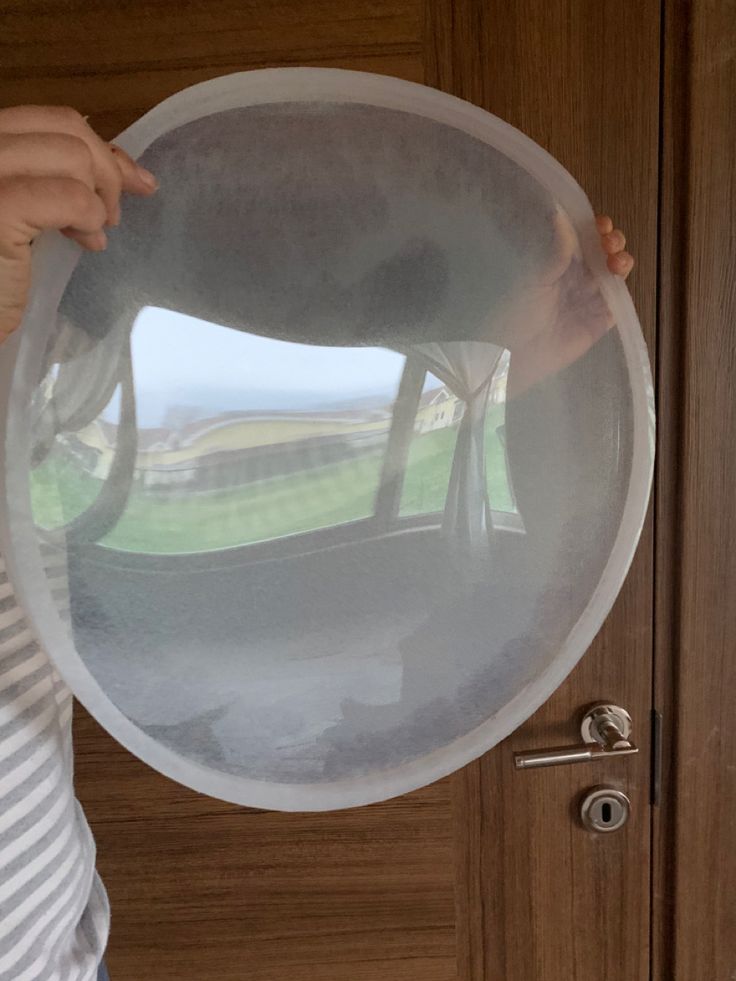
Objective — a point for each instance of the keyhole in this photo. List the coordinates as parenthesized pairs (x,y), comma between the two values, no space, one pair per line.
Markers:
(604,809)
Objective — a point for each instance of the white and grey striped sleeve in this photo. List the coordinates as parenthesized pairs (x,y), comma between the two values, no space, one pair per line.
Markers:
(54,914)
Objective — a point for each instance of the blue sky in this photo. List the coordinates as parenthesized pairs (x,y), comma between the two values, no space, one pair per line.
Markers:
(182,361)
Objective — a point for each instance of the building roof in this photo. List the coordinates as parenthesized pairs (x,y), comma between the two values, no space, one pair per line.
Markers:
(434,396)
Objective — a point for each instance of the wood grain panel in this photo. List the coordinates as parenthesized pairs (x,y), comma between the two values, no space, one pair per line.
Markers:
(114,61)
(201,889)
(696,672)
(537,896)
(74,38)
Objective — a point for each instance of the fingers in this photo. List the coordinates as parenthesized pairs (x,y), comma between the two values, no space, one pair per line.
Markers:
(613,240)
(45,155)
(55,173)
(136,179)
(94,241)
(621,263)
(29,205)
(63,120)
(110,170)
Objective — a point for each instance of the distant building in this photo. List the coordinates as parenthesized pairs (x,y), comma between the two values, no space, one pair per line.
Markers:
(438,409)
(237,448)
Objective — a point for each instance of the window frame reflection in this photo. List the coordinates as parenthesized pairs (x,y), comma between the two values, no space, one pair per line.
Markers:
(421,364)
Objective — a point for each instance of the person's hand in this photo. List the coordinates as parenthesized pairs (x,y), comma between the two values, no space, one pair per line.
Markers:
(55,172)
(573,314)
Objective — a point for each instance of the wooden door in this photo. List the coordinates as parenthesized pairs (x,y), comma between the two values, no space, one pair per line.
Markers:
(486,875)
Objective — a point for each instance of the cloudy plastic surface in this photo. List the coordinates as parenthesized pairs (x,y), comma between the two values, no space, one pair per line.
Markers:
(324,475)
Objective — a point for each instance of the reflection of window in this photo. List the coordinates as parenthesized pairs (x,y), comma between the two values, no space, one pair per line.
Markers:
(257,476)
(63,486)
(70,475)
(498,480)
(243,438)
(428,467)
(242,496)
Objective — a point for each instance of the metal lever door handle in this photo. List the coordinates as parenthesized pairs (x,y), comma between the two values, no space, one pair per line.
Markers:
(605,731)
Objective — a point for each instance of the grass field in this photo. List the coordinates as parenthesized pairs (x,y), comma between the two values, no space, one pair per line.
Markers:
(430,461)
(286,505)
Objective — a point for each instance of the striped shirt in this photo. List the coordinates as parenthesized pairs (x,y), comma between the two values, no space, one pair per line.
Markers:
(54,913)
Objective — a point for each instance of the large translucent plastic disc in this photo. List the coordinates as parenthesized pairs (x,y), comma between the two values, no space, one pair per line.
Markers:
(325,474)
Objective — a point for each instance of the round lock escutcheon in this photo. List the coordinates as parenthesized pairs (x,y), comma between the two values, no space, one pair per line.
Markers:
(604,809)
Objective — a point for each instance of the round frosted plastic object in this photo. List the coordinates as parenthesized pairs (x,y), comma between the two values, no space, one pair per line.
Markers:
(324,475)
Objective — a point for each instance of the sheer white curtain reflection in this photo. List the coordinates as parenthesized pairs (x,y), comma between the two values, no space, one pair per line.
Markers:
(467,368)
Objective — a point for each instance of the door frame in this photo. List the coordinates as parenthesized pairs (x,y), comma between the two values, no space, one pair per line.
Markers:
(694,812)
